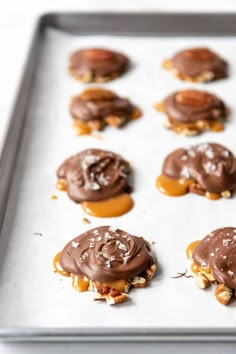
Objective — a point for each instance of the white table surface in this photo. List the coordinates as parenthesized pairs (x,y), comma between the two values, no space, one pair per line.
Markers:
(17,18)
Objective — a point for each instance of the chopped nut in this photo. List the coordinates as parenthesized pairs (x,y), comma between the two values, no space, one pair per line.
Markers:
(115,121)
(226,194)
(150,272)
(110,299)
(223,294)
(139,282)
(190,132)
(201,280)
(95,124)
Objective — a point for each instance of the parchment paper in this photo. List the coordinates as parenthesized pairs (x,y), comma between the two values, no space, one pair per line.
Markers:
(31,294)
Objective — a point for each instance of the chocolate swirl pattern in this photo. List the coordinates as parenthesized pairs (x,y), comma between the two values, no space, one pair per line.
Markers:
(97,64)
(102,106)
(212,165)
(105,254)
(217,251)
(94,175)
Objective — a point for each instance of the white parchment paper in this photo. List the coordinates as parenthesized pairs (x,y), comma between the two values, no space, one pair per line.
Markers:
(31,294)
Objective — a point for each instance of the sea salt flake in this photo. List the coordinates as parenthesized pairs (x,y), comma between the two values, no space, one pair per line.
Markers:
(202,147)
(191,153)
(185,172)
(99,238)
(226,242)
(225,153)
(125,259)
(75,244)
(108,236)
(183,158)
(112,229)
(108,264)
(230,273)
(122,247)
(209,153)
(203,264)
(84,256)
(212,254)
(89,160)
(92,185)
(102,180)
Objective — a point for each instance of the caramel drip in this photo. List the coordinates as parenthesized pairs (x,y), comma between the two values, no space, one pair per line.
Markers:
(57,267)
(216,126)
(115,206)
(212,196)
(79,283)
(172,187)
(61,185)
(194,267)
(81,128)
(190,249)
(53,197)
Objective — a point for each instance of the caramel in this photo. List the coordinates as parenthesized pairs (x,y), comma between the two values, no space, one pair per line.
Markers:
(61,185)
(190,249)
(79,283)
(212,196)
(57,267)
(115,206)
(172,187)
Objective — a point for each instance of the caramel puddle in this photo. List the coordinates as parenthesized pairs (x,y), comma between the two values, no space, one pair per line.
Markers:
(172,187)
(115,206)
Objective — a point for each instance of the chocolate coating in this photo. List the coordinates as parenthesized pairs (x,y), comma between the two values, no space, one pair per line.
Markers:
(97,104)
(195,61)
(105,254)
(99,62)
(189,106)
(212,165)
(94,174)
(217,251)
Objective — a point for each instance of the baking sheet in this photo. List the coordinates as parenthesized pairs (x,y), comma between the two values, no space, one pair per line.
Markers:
(31,294)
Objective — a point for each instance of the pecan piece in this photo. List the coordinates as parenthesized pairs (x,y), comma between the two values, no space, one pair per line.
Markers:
(223,294)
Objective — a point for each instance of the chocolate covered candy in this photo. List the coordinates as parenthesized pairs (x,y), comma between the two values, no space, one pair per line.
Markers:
(207,169)
(214,260)
(190,112)
(109,261)
(97,64)
(96,107)
(197,65)
(98,180)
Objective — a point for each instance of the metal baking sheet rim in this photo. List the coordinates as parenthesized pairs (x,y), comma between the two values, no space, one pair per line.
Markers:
(16,126)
